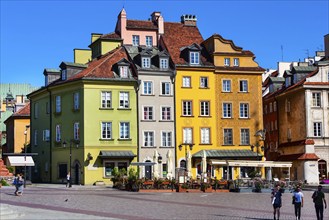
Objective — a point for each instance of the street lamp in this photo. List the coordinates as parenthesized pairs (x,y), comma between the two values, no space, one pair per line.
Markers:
(70,164)
(180,148)
(25,149)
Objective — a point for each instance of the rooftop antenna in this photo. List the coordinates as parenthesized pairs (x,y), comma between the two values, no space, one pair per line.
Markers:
(281,53)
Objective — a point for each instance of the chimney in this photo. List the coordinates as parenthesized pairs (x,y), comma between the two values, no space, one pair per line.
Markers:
(158,19)
(326,45)
(121,23)
(189,20)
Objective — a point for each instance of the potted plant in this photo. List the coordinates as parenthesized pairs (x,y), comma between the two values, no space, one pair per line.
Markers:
(258,183)
(206,187)
(182,187)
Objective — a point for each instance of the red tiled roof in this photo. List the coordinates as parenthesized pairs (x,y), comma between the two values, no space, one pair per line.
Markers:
(297,143)
(112,35)
(102,67)
(24,111)
(308,156)
(176,36)
(138,24)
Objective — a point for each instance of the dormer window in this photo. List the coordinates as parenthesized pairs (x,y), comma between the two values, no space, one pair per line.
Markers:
(146,62)
(163,63)
(194,58)
(64,74)
(123,71)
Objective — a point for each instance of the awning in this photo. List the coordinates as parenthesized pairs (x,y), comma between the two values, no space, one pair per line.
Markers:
(117,154)
(251,163)
(17,161)
(142,163)
(227,154)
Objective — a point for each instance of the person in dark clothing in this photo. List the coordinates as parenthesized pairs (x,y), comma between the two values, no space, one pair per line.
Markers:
(276,202)
(318,199)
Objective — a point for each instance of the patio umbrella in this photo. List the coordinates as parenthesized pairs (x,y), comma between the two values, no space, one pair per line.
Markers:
(155,167)
(169,164)
(189,164)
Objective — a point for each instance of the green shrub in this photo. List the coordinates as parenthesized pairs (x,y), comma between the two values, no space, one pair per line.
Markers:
(4,182)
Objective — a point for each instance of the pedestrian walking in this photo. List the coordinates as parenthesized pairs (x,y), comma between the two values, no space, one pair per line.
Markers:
(15,183)
(68,180)
(299,202)
(318,199)
(276,202)
(20,185)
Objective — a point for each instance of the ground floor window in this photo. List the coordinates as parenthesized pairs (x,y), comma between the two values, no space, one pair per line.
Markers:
(110,165)
(164,170)
(62,170)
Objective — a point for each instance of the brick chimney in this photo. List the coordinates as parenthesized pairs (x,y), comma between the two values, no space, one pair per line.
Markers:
(189,20)
(158,19)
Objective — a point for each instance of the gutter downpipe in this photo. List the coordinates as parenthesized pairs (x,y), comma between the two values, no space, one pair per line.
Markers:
(50,136)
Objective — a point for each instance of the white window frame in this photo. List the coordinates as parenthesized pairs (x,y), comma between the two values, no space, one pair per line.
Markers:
(187,108)
(46,135)
(236,61)
(187,135)
(245,136)
(76,131)
(244,110)
(148,113)
(227,87)
(228,136)
(123,71)
(147,88)
(124,130)
(135,40)
(186,82)
(149,41)
(205,135)
(165,88)
(64,74)
(76,101)
(164,63)
(194,58)
(58,133)
(166,139)
(106,99)
(227,110)
(243,84)
(148,139)
(106,130)
(317,129)
(146,62)
(227,61)
(204,108)
(316,99)
(58,104)
(204,82)
(124,100)
(165,112)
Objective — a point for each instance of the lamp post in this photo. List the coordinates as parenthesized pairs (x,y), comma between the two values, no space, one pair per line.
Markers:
(25,151)
(180,148)
(70,163)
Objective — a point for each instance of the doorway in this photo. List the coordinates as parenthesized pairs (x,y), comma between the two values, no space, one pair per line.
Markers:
(322,165)
(148,171)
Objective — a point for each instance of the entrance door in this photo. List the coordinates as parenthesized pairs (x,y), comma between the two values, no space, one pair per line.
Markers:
(148,171)
(322,164)
(76,174)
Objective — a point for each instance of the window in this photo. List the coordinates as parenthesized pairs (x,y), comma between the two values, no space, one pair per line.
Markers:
(123,71)
(317,130)
(64,74)
(226,85)
(203,82)
(245,137)
(148,138)
(316,99)
(58,104)
(187,108)
(149,41)
(124,130)
(146,62)
(76,131)
(243,86)
(164,63)
(106,99)
(147,88)
(228,136)
(122,165)
(274,106)
(135,40)
(76,101)
(35,137)
(204,108)
(186,81)
(165,88)
(106,130)
(227,110)
(265,109)
(36,110)
(166,138)
(148,113)
(271,107)
(58,133)
(187,136)
(236,62)
(194,58)
(244,110)
(124,99)
(205,135)
(166,113)
(45,135)
(226,61)
(109,167)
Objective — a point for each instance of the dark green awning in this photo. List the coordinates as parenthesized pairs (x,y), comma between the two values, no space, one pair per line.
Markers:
(226,154)
(117,154)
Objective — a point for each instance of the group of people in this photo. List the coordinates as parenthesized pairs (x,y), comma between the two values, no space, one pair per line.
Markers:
(19,184)
(298,202)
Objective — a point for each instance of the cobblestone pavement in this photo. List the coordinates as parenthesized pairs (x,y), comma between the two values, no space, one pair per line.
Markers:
(99,202)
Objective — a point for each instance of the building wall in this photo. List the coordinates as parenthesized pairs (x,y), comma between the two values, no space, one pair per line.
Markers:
(107,46)
(82,56)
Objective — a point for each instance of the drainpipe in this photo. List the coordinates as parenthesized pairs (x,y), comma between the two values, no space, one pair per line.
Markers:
(50,135)
(174,113)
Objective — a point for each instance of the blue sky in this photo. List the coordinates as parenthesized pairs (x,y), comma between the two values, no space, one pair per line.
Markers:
(41,34)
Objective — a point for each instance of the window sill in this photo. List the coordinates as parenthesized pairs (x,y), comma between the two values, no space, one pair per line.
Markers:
(244,118)
(243,92)
(204,88)
(227,118)
(166,147)
(187,116)
(204,116)
(124,109)
(205,144)
(106,108)
(226,91)
(57,113)
(75,110)
(166,120)
(126,139)
(185,87)
(147,95)
(148,120)
(162,95)
(103,139)
(148,147)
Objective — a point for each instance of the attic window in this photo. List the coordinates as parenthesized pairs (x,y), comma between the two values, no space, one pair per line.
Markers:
(123,71)
(64,74)
(146,62)
(163,63)
(194,58)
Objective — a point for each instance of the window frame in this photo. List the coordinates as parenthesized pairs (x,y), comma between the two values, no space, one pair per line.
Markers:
(106,130)
(186,82)
(317,129)
(226,85)
(204,108)
(164,116)
(106,99)
(244,110)
(227,61)
(236,62)
(164,63)
(58,106)
(243,85)
(124,130)
(135,40)
(76,131)
(245,136)
(146,62)
(148,113)
(148,138)
(205,135)
(149,41)
(187,108)
(227,111)
(228,136)
(166,88)
(194,58)
(124,102)
(76,101)
(147,87)
(204,82)
(166,139)
(188,135)
(316,100)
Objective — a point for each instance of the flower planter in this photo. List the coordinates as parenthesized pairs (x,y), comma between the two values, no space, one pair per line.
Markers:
(207,190)
(181,189)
